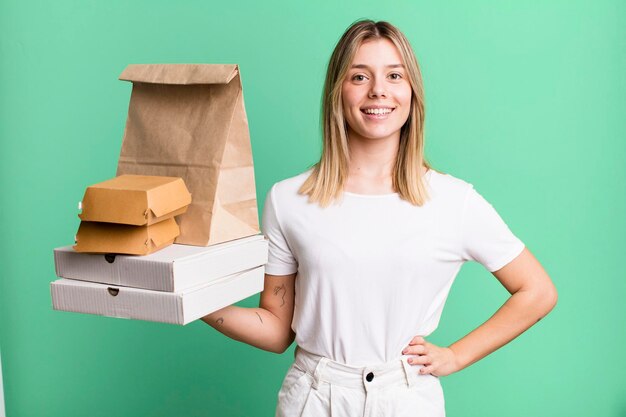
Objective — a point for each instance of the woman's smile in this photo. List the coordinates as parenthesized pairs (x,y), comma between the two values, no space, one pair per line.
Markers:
(377,113)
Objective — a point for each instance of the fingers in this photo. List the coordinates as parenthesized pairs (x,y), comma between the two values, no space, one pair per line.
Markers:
(419,360)
(425,361)
(414,350)
(417,340)
(419,347)
(427,370)
(432,359)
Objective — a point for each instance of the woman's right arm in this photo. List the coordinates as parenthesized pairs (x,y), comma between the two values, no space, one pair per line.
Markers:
(267,327)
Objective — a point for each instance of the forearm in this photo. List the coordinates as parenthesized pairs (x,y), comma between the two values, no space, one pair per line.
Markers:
(532,297)
(517,314)
(255,326)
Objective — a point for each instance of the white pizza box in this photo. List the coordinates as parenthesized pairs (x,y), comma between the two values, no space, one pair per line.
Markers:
(180,307)
(173,268)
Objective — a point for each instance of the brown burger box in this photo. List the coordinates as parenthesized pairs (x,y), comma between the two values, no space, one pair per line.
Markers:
(135,199)
(97,237)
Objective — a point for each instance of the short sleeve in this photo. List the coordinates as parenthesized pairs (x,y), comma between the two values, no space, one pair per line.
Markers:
(280,258)
(485,237)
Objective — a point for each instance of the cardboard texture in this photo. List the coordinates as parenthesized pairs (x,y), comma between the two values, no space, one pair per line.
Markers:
(96,237)
(135,199)
(168,307)
(189,121)
(174,268)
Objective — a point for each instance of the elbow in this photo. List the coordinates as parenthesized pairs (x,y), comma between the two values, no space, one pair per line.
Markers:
(284,344)
(553,298)
(278,348)
(547,299)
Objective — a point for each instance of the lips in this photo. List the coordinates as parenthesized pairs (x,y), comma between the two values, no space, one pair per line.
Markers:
(377,114)
(377,110)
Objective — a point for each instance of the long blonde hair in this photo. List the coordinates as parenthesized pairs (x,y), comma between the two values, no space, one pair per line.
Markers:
(329,175)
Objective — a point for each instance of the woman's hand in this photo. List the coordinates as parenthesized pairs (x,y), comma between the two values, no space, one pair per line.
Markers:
(437,360)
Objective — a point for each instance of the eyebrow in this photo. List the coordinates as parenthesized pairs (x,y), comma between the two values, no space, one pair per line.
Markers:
(363,66)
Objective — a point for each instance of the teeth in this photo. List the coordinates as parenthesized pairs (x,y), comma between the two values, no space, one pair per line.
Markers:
(377,111)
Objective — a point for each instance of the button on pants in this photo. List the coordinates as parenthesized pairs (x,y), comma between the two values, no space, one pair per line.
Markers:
(318,387)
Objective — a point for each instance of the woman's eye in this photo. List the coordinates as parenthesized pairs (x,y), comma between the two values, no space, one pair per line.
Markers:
(358,77)
(395,76)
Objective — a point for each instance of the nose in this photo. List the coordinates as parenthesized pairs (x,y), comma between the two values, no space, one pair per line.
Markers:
(377,88)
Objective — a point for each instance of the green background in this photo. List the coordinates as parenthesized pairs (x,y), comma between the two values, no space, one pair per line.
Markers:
(525,99)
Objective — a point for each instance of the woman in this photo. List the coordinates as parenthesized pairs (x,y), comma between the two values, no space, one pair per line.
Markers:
(376,238)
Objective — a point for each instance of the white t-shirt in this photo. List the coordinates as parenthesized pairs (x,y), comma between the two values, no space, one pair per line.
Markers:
(374,270)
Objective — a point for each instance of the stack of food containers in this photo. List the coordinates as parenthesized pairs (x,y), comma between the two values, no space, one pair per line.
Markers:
(131,214)
(177,284)
(219,256)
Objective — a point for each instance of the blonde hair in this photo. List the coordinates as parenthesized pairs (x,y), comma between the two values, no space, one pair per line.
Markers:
(329,175)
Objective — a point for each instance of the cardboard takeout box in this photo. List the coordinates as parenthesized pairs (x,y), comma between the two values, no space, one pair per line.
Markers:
(135,199)
(174,268)
(97,237)
(168,307)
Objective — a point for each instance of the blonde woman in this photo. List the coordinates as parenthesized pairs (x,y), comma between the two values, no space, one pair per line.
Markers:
(365,246)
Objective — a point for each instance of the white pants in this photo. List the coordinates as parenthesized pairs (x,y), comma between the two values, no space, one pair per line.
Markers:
(317,387)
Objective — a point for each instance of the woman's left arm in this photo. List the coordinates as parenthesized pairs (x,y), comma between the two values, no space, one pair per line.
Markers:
(533,295)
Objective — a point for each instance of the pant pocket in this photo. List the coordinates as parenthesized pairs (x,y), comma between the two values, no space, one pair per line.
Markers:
(293,392)
(424,398)
(429,396)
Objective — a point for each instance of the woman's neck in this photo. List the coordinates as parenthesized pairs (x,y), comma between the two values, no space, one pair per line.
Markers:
(371,164)
(374,158)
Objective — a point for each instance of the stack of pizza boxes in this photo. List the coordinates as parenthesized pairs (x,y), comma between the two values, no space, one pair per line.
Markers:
(175,235)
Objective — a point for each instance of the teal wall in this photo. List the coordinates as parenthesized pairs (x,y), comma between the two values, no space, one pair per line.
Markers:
(525,99)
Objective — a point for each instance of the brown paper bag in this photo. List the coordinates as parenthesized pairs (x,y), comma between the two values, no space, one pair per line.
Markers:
(189,121)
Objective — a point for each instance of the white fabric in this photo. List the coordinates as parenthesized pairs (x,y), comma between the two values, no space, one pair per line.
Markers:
(374,271)
(317,387)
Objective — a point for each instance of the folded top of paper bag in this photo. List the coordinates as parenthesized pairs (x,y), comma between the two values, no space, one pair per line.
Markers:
(184,74)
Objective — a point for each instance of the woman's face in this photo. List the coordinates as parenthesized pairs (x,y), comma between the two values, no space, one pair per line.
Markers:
(376,93)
